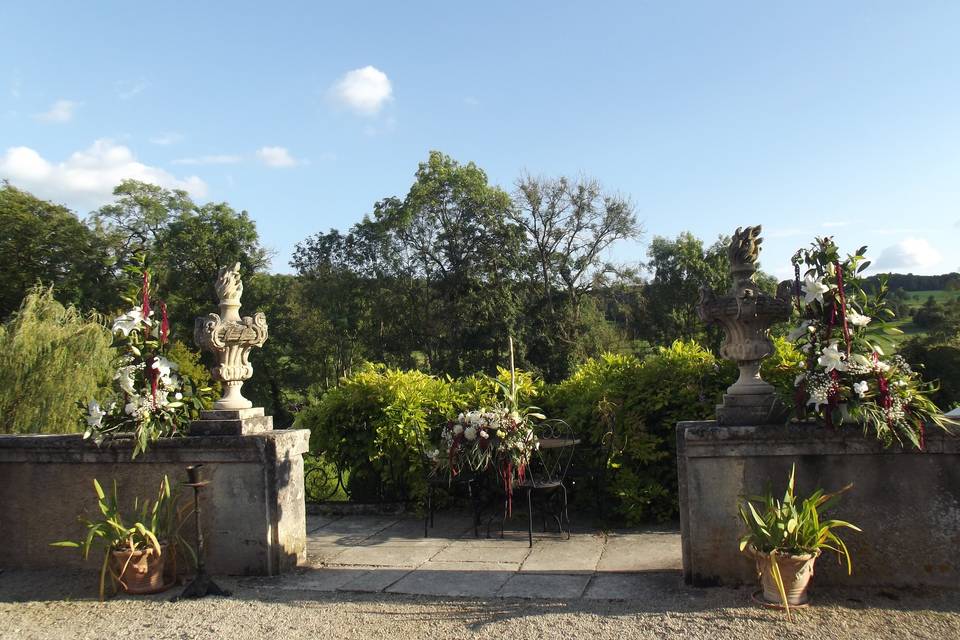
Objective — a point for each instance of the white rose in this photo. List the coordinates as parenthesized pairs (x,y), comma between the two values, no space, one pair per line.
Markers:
(457,429)
(470,433)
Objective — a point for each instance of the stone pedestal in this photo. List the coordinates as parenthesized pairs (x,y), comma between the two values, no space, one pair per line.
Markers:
(907,502)
(231,422)
(253,513)
(751,409)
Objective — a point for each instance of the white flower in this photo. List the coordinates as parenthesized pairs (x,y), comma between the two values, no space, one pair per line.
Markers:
(882,366)
(484,434)
(457,429)
(433,455)
(164,367)
(137,405)
(856,319)
(831,359)
(130,321)
(95,414)
(861,388)
(178,396)
(814,289)
(794,335)
(470,433)
(800,378)
(125,376)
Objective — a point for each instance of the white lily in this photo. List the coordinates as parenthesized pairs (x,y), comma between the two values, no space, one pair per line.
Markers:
(800,331)
(125,376)
(95,414)
(861,388)
(831,359)
(164,367)
(857,319)
(129,321)
(814,289)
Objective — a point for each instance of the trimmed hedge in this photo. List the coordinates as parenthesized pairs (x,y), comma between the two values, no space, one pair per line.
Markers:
(370,423)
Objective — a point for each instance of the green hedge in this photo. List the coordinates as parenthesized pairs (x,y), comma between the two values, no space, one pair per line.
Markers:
(369,424)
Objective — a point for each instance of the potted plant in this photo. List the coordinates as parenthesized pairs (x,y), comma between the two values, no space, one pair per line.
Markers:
(139,552)
(786,537)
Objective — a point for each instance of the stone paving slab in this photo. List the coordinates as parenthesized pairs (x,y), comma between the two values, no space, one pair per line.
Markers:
(579,554)
(545,586)
(374,580)
(454,581)
(631,586)
(642,552)
(482,550)
(387,555)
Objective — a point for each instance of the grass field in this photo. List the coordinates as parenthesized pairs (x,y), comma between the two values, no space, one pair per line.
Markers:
(917,298)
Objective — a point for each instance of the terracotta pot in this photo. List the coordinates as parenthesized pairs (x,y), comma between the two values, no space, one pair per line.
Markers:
(142,571)
(795,571)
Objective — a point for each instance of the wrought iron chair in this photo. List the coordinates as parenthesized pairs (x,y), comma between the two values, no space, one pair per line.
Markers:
(546,475)
(437,478)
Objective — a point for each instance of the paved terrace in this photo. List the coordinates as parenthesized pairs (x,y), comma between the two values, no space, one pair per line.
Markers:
(389,554)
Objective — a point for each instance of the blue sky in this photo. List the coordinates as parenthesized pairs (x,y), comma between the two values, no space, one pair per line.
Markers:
(810,118)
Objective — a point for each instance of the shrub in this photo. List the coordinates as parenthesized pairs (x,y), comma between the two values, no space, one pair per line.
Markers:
(50,357)
(640,402)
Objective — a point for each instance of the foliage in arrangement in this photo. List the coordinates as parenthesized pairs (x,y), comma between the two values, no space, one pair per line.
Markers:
(375,424)
(148,525)
(150,399)
(628,408)
(847,377)
(501,437)
(50,355)
(793,526)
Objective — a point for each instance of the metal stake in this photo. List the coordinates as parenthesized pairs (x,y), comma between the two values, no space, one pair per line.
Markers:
(202,584)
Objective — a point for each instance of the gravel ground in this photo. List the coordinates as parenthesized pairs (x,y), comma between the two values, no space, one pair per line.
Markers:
(59,605)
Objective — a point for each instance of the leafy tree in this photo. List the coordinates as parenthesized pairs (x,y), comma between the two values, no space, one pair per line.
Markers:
(569,224)
(51,357)
(42,242)
(138,217)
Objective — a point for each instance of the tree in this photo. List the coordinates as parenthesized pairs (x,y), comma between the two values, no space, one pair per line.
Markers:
(51,357)
(191,248)
(568,223)
(43,242)
(139,216)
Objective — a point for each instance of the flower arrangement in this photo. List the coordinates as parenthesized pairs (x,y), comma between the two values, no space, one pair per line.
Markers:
(150,399)
(847,376)
(502,438)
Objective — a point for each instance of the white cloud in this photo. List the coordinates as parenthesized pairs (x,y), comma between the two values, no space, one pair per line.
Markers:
(165,139)
(910,254)
(364,90)
(127,90)
(214,159)
(835,225)
(277,157)
(60,111)
(86,179)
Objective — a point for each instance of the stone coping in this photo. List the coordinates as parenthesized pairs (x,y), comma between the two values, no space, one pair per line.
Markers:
(73,448)
(706,438)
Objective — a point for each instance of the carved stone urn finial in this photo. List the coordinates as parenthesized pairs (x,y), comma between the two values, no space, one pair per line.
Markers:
(746,314)
(230,338)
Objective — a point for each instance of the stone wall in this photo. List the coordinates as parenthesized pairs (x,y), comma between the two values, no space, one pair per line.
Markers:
(906,502)
(253,513)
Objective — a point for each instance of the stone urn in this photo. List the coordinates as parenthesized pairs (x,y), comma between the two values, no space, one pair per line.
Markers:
(746,314)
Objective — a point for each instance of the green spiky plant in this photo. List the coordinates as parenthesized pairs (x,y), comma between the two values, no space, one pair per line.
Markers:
(793,526)
(153,522)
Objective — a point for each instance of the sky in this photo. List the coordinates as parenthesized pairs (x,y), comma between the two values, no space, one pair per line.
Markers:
(812,119)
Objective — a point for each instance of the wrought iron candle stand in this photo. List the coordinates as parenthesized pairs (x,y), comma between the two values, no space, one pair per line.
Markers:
(202,584)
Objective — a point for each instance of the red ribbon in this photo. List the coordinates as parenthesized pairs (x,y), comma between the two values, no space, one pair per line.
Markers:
(164,323)
(146,294)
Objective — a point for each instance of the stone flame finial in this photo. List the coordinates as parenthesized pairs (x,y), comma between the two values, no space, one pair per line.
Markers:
(230,338)
(745,314)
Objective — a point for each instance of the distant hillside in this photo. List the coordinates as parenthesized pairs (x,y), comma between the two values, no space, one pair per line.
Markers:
(910,282)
